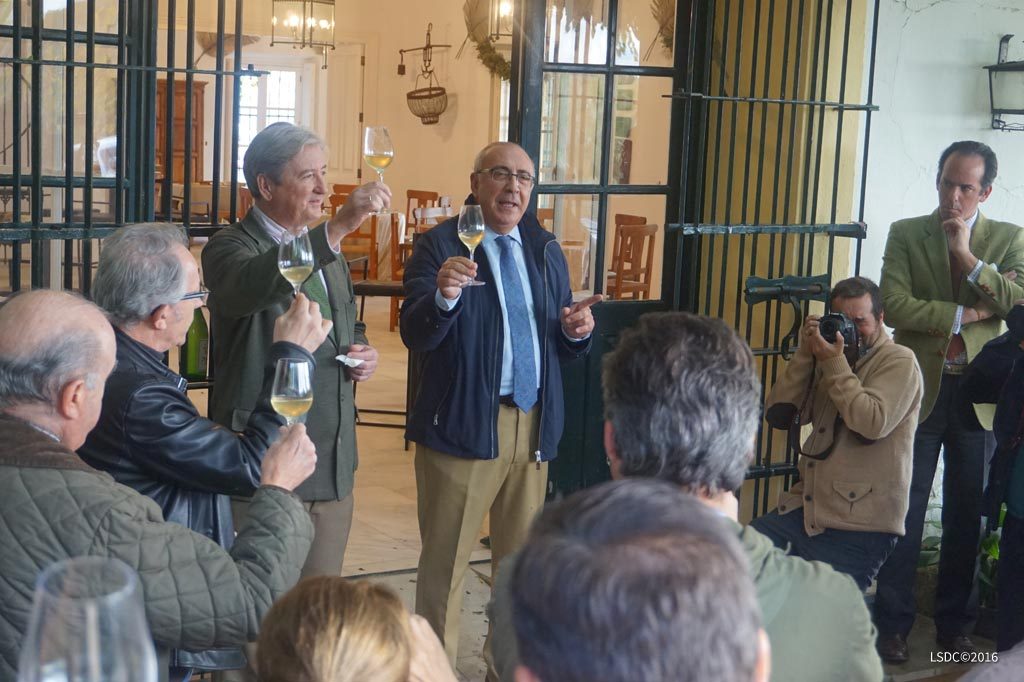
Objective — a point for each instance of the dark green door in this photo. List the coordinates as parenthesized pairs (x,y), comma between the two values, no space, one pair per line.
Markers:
(591,103)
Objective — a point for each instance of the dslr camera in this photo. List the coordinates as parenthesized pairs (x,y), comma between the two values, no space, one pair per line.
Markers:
(837,322)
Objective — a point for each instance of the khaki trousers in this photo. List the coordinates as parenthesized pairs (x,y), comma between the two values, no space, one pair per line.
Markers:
(454,495)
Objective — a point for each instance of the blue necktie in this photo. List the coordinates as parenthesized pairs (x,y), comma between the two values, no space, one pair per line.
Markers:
(524,366)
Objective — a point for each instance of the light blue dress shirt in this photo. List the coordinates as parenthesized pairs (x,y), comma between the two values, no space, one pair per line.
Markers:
(493,254)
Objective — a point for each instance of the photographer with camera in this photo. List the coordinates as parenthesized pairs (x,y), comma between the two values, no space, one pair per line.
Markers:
(860,393)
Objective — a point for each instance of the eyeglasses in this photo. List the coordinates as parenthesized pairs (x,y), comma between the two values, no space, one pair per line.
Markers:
(501,174)
(197,295)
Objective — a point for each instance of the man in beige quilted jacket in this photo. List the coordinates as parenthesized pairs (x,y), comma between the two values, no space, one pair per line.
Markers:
(56,351)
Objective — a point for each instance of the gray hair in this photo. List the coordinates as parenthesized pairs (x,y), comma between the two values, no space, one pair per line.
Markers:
(659,590)
(683,400)
(36,373)
(138,273)
(272,149)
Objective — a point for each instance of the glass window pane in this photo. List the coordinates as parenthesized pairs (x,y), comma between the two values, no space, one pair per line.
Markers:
(249,91)
(645,32)
(576,32)
(281,89)
(573,219)
(572,128)
(640,131)
(634,242)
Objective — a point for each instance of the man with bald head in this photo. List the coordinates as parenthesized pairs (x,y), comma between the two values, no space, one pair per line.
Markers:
(56,352)
(489,412)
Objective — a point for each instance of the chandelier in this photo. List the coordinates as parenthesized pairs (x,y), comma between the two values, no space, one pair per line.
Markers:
(303,23)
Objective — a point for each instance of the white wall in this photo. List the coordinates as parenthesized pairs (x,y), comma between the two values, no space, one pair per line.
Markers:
(436,157)
(932,90)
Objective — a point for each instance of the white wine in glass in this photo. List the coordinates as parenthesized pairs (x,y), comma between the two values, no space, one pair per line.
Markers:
(471,233)
(378,152)
(87,624)
(295,259)
(292,394)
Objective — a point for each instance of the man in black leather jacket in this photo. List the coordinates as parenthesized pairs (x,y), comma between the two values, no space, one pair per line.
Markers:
(150,436)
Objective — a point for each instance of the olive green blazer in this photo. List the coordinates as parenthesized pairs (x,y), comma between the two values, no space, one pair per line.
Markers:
(247,294)
(918,293)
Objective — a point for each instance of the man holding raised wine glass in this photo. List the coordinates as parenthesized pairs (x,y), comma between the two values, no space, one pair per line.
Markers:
(490,410)
(246,267)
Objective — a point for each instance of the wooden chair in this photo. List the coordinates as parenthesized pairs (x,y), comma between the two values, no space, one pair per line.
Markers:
(622,219)
(400,251)
(363,242)
(546,218)
(632,262)
(416,198)
(430,216)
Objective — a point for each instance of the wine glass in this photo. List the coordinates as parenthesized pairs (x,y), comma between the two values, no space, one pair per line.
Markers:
(87,625)
(292,394)
(471,233)
(295,259)
(378,152)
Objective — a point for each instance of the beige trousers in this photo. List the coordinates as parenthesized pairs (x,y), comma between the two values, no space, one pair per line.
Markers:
(454,495)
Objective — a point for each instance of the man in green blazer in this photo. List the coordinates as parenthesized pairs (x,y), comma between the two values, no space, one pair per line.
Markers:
(948,279)
(284,169)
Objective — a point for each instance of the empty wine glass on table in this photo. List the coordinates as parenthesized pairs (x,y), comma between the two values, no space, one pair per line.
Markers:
(87,625)
(471,233)
(295,259)
(378,152)
(292,393)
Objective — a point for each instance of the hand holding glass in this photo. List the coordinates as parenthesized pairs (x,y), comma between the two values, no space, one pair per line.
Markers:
(378,152)
(292,394)
(295,259)
(87,625)
(471,233)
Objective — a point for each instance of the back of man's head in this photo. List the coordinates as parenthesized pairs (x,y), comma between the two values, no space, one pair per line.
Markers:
(683,402)
(47,339)
(634,581)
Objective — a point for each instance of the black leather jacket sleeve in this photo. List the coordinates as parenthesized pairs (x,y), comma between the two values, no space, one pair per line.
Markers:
(174,443)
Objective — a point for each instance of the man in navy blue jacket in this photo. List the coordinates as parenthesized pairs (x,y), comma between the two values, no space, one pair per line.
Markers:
(489,412)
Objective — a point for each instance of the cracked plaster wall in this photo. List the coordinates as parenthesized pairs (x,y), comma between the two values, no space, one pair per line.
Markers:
(931,89)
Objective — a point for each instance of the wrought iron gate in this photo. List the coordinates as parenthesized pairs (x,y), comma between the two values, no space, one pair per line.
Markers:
(776,107)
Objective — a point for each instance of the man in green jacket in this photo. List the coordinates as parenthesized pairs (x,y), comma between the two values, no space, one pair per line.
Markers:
(56,351)
(682,404)
(285,167)
(948,280)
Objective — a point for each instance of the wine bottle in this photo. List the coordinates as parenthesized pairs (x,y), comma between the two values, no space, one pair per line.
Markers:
(195,352)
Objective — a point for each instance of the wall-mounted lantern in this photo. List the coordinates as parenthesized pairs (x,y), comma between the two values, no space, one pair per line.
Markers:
(1006,89)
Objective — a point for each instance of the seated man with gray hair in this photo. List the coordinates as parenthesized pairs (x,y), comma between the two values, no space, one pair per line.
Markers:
(682,403)
(659,594)
(150,436)
(56,352)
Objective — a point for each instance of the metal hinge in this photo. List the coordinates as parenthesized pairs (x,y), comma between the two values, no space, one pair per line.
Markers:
(362,60)
(360,117)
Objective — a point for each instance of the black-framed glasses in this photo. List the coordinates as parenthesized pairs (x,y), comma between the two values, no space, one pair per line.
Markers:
(197,295)
(501,174)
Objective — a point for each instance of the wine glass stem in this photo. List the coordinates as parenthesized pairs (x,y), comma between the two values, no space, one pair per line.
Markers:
(289,420)
(380,176)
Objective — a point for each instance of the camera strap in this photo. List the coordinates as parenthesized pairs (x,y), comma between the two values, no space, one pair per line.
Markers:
(793,433)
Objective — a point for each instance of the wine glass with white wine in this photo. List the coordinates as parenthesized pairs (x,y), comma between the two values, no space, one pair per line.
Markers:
(378,152)
(87,624)
(471,233)
(295,259)
(292,394)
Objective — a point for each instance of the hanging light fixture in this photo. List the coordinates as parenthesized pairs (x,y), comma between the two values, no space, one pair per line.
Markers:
(303,23)
(500,22)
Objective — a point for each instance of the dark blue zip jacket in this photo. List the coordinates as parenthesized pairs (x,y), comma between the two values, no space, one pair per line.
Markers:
(456,410)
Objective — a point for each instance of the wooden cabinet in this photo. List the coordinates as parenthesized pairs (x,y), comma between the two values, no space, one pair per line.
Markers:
(193,127)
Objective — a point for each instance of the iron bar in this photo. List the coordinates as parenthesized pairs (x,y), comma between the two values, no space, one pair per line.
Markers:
(855,230)
(39,257)
(829,104)
(218,106)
